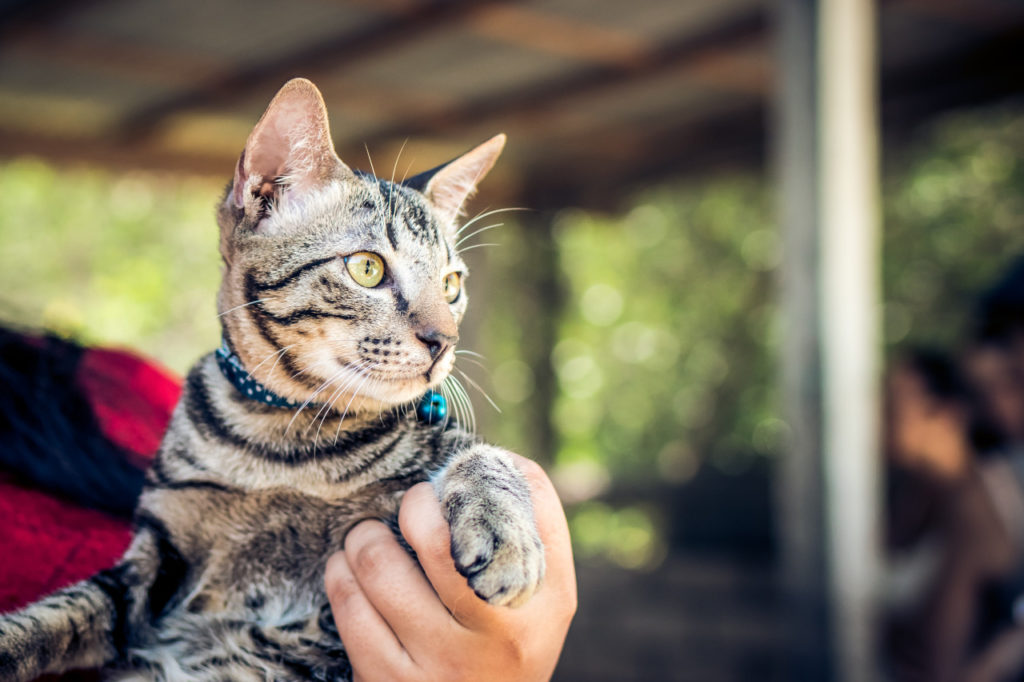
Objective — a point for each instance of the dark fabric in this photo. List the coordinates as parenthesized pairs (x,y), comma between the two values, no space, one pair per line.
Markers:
(50,436)
(116,407)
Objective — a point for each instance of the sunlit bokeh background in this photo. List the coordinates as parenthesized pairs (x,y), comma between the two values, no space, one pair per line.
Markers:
(625,316)
(667,330)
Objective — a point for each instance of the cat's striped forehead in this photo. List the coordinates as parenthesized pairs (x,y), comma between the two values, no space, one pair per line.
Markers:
(404,215)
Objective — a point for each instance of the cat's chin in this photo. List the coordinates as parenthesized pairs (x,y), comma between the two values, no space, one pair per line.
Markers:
(403,392)
(389,393)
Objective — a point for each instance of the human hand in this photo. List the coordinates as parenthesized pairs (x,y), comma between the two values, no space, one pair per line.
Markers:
(399,622)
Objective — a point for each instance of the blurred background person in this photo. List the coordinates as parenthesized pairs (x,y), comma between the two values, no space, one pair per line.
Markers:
(995,359)
(955,527)
(945,538)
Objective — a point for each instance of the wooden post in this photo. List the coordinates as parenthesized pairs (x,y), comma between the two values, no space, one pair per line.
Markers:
(850,296)
(540,311)
(799,486)
(828,482)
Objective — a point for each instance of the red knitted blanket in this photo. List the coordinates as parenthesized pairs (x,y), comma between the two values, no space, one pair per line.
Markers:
(47,543)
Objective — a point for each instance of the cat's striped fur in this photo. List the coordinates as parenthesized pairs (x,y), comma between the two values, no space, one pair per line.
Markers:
(246,501)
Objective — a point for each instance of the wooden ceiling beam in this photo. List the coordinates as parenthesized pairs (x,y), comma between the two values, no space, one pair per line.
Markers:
(562,92)
(594,180)
(529,28)
(64,150)
(982,14)
(324,57)
(733,71)
(19,16)
(123,59)
(984,72)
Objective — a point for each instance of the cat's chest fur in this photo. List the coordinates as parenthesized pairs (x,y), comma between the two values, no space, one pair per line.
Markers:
(244,580)
(244,524)
(240,547)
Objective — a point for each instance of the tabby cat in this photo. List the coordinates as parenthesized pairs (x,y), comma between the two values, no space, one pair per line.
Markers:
(341,299)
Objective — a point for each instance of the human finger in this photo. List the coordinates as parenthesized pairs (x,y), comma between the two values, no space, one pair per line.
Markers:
(395,585)
(371,644)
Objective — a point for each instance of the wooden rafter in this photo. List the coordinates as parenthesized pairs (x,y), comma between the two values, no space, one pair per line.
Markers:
(982,14)
(131,60)
(311,61)
(20,16)
(587,176)
(985,71)
(563,91)
(529,28)
(14,142)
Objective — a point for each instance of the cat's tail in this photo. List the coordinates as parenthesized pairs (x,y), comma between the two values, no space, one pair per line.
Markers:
(49,434)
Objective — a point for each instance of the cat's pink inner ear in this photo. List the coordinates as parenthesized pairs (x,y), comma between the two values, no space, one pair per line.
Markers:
(291,142)
(457,181)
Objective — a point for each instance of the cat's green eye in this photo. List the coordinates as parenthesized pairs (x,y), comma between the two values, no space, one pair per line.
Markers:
(452,286)
(366,268)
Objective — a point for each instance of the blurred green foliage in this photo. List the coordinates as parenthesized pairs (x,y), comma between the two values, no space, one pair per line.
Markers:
(666,353)
(954,219)
(664,356)
(666,327)
(129,260)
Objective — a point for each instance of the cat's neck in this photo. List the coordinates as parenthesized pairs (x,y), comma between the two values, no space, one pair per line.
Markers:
(221,436)
(296,425)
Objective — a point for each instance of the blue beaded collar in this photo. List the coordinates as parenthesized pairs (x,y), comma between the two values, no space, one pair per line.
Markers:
(231,367)
(432,407)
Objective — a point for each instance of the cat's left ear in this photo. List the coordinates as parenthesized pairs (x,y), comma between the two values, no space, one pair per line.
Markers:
(447,187)
(289,151)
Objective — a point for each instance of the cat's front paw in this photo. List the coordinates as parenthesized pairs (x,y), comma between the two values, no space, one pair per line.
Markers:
(499,553)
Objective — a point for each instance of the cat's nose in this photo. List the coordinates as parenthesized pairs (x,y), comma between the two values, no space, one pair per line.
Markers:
(436,341)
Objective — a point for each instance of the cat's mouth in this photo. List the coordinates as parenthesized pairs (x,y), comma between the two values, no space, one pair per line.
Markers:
(433,366)
(396,386)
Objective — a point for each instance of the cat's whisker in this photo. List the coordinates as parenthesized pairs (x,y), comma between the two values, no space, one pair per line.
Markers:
(344,414)
(325,412)
(274,366)
(354,392)
(448,401)
(358,372)
(331,402)
(394,168)
(462,397)
(477,387)
(460,410)
(476,232)
(477,363)
(469,405)
(244,305)
(380,209)
(323,386)
(481,216)
(328,406)
(308,400)
(380,412)
(368,158)
(475,246)
(278,353)
(467,408)
(462,351)
(405,175)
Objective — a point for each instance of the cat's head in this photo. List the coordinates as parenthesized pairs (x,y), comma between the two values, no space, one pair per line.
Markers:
(338,286)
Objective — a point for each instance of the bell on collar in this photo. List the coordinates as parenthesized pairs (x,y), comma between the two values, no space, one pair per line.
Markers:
(433,408)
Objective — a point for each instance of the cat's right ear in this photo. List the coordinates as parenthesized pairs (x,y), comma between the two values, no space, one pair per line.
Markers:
(288,153)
